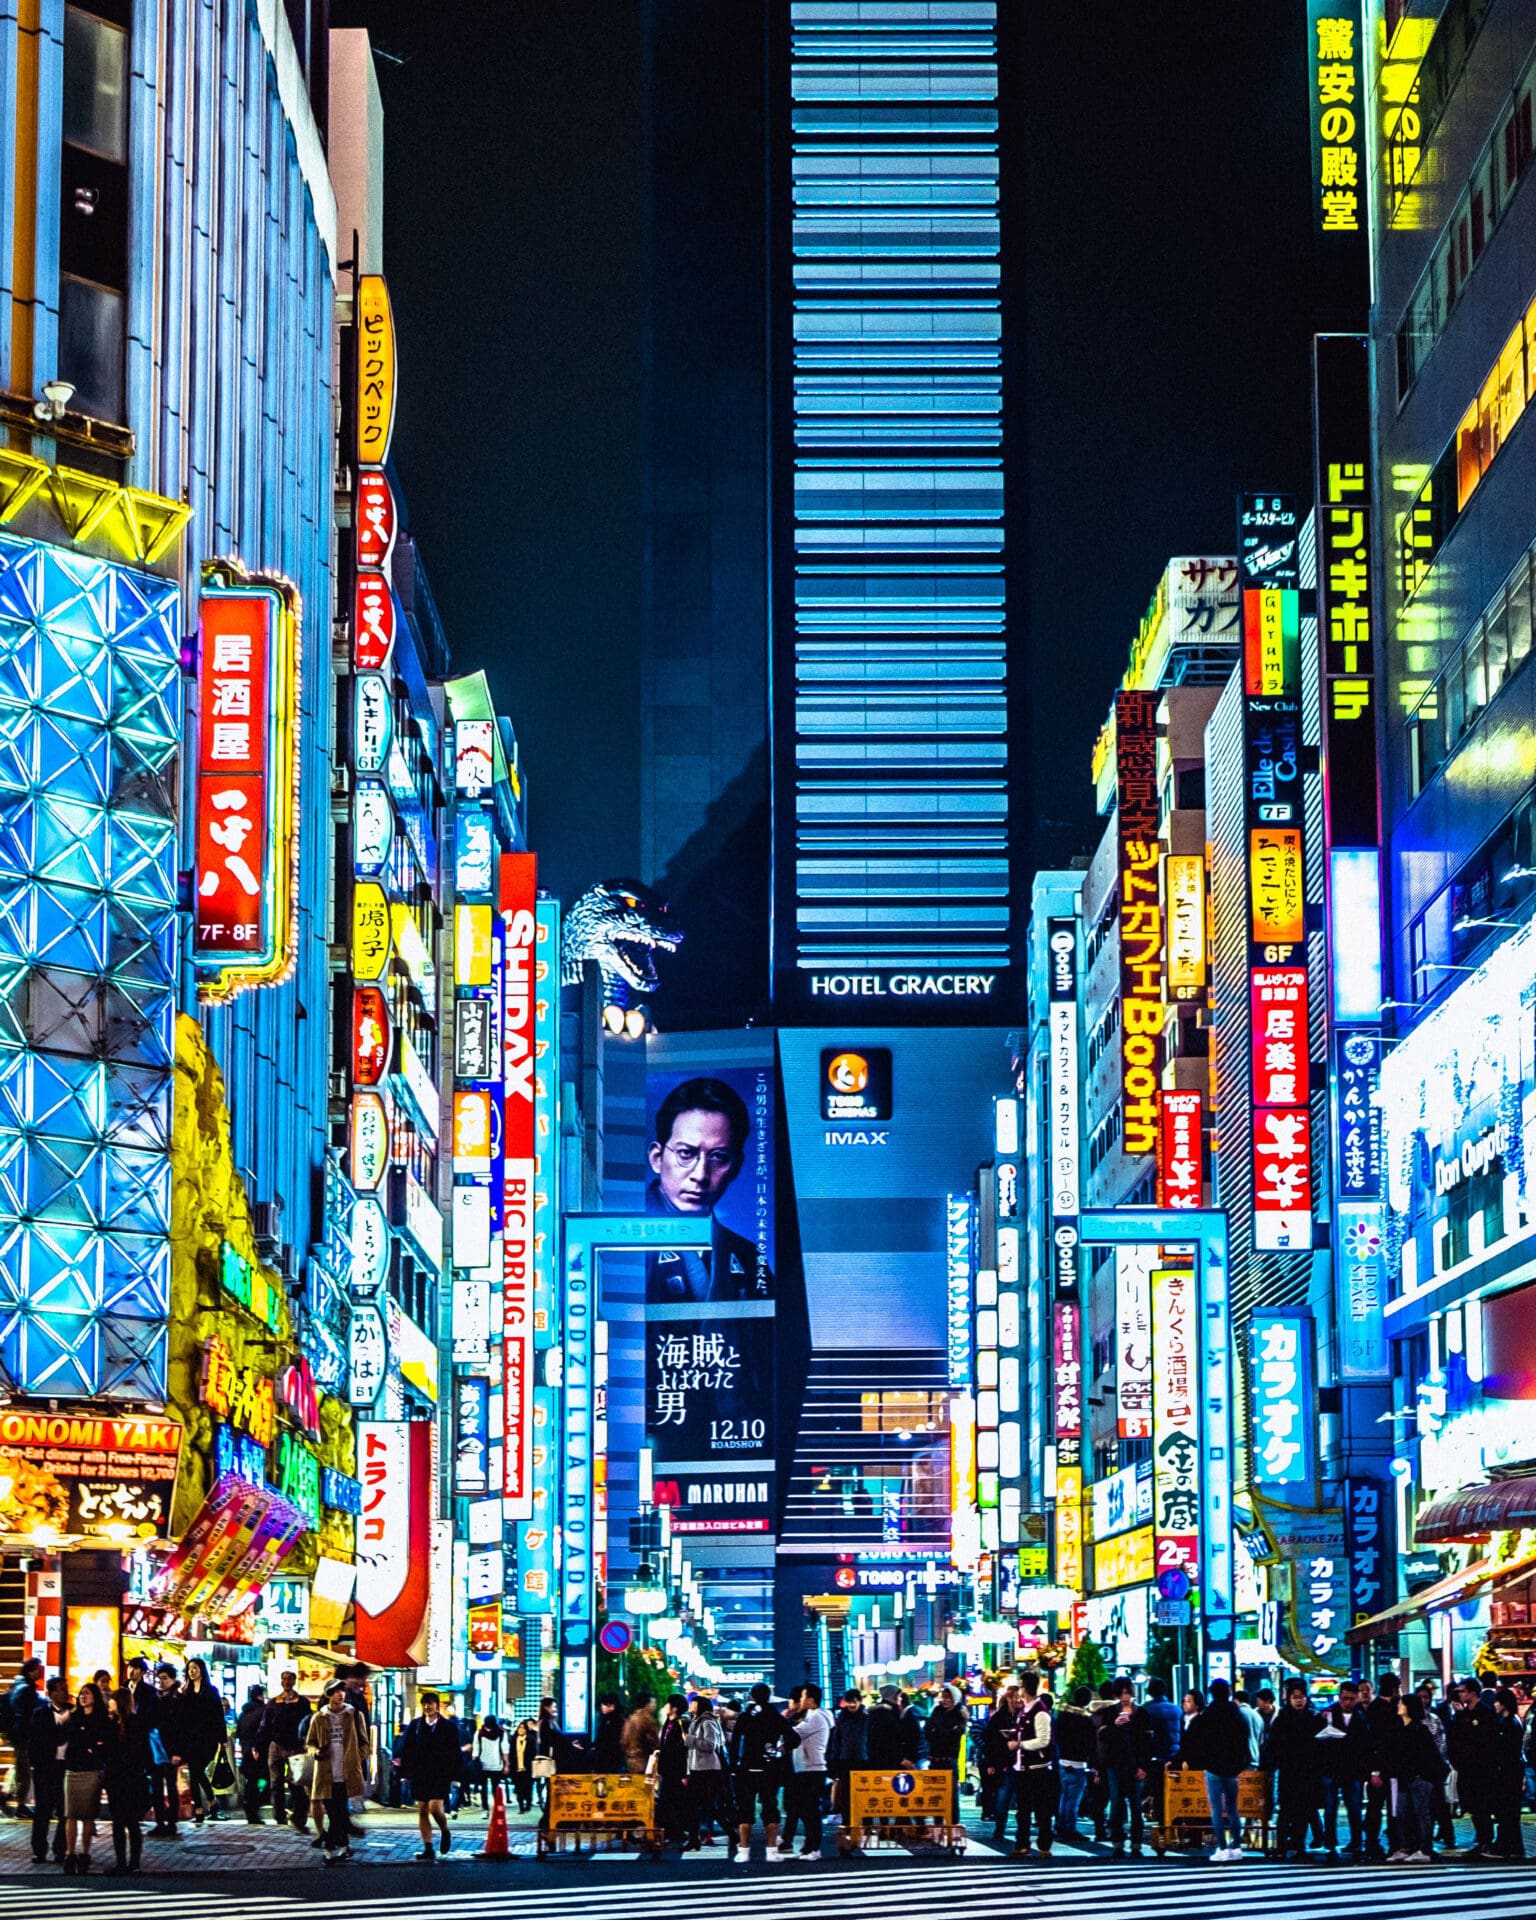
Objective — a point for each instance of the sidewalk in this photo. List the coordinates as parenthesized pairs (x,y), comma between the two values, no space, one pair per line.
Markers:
(229,1845)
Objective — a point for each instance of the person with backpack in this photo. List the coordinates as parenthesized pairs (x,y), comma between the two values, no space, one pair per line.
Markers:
(489,1754)
(24,1697)
(761,1743)
(704,1738)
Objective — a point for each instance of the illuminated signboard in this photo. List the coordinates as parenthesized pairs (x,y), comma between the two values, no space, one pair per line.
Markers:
(244,928)
(370,1036)
(1126,1560)
(397,1469)
(471,1450)
(367,1356)
(518,901)
(1122,1501)
(855,1083)
(1271,640)
(1277,887)
(1185,877)
(958,1266)
(373,522)
(472,1139)
(1133,1334)
(1354,902)
(370,1141)
(370,930)
(1176,1440)
(373,622)
(373,828)
(370,1245)
(1346,590)
(1339,116)
(1359,1110)
(1065,1134)
(375,370)
(472,926)
(1069,1527)
(1282,1179)
(1278,1005)
(1067,1364)
(1141,918)
(1282,1401)
(97,1475)
(373,722)
(1181,1166)
(474,757)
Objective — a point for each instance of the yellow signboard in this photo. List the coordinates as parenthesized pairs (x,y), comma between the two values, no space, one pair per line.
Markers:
(919,1797)
(370,930)
(472,945)
(375,371)
(1276,885)
(601,1799)
(1069,1527)
(1125,1561)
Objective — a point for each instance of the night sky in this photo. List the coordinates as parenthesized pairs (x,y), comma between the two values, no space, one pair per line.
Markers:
(1164,361)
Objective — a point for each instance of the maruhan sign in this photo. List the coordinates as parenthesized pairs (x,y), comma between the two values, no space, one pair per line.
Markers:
(944,986)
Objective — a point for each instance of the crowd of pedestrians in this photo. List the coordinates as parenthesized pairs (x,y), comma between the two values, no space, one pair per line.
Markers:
(1398,1764)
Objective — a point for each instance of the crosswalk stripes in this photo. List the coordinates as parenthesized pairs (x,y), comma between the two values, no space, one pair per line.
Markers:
(897,1888)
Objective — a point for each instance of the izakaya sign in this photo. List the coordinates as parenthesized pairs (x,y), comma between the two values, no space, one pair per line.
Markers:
(244,927)
(84,1474)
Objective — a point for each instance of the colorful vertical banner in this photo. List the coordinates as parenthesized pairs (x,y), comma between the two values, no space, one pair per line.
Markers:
(1370,1545)
(1339,112)
(375,370)
(1065,1078)
(1184,885)
(1141,918)
(1282,1405)
(245,927)
(1347,609)
(1133,1342)
(518,900)
(1067,1369)
(1176,1437)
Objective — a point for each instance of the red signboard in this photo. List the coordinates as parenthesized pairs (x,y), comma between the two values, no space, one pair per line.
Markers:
(373,621)
(517,898)
(1067,1365)
(243,925)
(374,521)
(370,1036)
(1180,1174)
(1282,1177)
(1278,997)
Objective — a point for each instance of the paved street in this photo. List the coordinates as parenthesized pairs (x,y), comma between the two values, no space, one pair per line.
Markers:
(892,1888)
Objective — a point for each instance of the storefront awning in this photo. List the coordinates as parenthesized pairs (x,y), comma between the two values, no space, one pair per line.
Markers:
(1452,1591)
(1476,1511)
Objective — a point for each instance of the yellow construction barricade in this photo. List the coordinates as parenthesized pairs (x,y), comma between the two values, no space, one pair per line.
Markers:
(901,1809)
(598,1812)
(1182,1813)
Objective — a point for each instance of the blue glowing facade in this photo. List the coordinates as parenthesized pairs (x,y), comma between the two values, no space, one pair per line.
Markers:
(893,812)
(90,704)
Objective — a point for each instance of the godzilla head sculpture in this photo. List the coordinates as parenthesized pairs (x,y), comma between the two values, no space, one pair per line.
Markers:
(619,926)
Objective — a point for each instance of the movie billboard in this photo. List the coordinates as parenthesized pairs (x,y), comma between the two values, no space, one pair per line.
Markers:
(710,1315)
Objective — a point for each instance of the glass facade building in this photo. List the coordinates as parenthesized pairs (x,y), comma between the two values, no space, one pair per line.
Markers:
(893,823)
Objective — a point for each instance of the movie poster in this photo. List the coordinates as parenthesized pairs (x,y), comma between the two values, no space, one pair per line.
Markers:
(710,1315)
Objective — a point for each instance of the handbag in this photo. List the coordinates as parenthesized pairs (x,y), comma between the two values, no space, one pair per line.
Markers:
(222,1778)
(158,1757)
(543,1766)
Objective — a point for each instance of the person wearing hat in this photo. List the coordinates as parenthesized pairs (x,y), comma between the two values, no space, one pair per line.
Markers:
(339,1773)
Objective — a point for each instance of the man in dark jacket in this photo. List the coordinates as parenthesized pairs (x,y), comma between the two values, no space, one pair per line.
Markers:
(431,1759)
(286,1712)
(847,1748)
(1035,1763)
(1218,1741)
(1075,1756)
(761,1743)
(1381,1718)
(895,1732)
(998,1779)
(1471,1746)
(21,1702)
(47,1730)
(165,1792)
(1126,1749)
(1290,1752)
(252,1752)
(1345,1758)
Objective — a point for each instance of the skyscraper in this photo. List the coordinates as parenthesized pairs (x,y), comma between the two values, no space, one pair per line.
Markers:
(827,703)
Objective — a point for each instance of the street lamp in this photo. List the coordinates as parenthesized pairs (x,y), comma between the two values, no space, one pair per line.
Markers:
(646,1597)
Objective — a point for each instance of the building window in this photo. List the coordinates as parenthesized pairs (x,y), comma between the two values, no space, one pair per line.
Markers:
(93,208)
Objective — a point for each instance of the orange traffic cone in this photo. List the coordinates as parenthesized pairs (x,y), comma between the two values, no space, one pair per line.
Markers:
(496,1847)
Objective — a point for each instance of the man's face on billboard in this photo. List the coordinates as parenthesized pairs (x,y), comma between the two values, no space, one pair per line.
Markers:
(698,1162)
